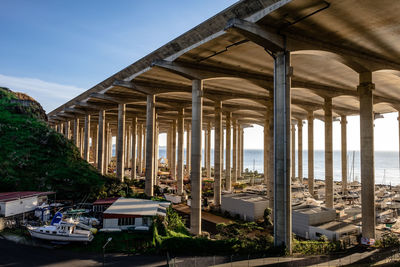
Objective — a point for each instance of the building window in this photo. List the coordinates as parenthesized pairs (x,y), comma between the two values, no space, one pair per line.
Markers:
(126,221)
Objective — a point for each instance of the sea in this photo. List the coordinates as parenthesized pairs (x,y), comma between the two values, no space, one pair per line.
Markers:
(387,169)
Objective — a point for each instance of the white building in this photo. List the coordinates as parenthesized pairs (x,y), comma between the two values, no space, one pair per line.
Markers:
(17,203)
(305,216)
(249,207)
(133,213)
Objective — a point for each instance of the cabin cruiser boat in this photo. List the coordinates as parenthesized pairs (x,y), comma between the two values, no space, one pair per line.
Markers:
(60,230)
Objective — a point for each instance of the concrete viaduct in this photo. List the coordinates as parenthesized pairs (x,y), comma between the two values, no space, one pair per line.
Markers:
(266,62)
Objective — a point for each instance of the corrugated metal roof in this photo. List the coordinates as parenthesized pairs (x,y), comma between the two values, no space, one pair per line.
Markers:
(136,206)
(9,196)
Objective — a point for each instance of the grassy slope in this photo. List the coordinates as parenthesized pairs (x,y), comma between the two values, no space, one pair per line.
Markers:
(35,157)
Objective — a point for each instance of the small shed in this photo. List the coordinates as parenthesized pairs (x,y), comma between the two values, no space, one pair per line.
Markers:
(127,213)
(16,203)
(334,230)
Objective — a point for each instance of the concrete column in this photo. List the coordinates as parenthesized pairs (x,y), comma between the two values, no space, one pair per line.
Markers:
(282,117)
(197,121)
(188,146)
(234,152)
(328,154)
(240,150)
(169,146)
(128,147)
(343,123)
(266,149)
(365,90)
(82,141)
(156,151)
(208,150)
(86,140)
(300,149)
(106,148)
(66,129)
(144,147)
(228,181)
(271,161)
(95,144)
(293,146)
(217,153)
(120,141)
(181,133)
(139,149)
(134,143)
(101,136)
(150,121)
(310,132)
(398,119)
(61,128)
(75,136)
(173,151)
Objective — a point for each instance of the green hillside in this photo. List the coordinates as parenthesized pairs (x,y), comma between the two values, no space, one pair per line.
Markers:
(35,157)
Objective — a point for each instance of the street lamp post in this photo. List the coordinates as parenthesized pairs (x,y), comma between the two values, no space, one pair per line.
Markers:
(104,248)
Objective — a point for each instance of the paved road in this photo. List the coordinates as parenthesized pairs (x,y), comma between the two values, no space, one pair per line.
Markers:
(13,254)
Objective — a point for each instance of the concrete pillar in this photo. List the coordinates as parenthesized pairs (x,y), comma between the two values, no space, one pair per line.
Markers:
(86,140)
(134,143)
(101,136)
(328,154)
(106,148)
(266,149)
(282,186)
(240,153)
(398,120)
(271,161)
(66,129)
(208,150)
(293,146)
(343,123)
(173,150)
(150,121)
(61,128)
(228,181)
(181,133)
(144,147)
(128,147)
(139,148)
(75,135)
(156,151)
(234,152)
(120,141)
(365,90)
(310,132)
(82,141)
(188,146)
(300,149)
(94,143)
(168,152)
(197,121)
(218,153)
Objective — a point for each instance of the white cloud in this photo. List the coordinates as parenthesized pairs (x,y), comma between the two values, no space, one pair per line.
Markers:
(50,95)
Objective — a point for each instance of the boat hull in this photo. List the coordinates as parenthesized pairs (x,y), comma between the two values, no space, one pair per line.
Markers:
(68,238)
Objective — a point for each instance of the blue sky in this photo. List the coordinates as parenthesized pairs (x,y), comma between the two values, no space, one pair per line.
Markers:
(81,43)
(55,50)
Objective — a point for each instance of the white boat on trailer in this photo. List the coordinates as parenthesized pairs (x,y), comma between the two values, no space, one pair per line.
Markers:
(60,231)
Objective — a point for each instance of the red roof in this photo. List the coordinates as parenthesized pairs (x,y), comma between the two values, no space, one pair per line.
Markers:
(9,196)
(105,201)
